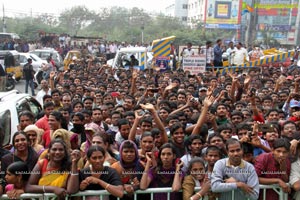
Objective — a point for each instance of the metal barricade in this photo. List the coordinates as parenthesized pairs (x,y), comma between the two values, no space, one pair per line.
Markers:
(102,194)
(26,196)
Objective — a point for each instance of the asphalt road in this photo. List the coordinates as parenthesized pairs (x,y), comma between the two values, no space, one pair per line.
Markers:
(21,87)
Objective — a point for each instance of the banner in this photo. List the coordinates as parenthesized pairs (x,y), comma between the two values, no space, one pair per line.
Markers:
(223,12)
(194,64)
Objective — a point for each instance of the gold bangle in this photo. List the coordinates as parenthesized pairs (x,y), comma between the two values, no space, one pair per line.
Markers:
(107,186)
(198,193)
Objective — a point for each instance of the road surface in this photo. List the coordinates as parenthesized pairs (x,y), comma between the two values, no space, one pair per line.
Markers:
(21,87)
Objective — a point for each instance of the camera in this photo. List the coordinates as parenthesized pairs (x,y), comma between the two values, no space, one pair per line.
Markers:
(252,92)
(141,112)
(154,90)
(265,128)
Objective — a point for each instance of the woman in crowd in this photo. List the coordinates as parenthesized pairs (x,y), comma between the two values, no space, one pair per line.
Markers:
(52,175)
(22,152)
(147,145)
(17,175)
(77,106)
(99,177)
(34,134)
(196,178)
(62,134)
(129,167)
(101,140)
(166,174)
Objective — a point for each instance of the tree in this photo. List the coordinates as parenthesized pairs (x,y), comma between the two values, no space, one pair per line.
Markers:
(76,18)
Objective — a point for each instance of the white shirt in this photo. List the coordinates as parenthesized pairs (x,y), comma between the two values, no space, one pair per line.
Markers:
(41,94)
(295,176)
(239,56)
(209,53)
(188,52)
(230,56)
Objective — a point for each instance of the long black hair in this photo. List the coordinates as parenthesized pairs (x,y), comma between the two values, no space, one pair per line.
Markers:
(19,168)
(66,162)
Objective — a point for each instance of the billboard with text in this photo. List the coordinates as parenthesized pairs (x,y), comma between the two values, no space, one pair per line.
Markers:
(220,13)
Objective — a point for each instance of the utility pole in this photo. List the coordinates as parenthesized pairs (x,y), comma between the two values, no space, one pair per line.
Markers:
(3,20)
(31,15)
(143,27)
(296,38)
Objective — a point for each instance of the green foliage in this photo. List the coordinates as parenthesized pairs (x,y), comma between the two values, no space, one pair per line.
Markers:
(116,23)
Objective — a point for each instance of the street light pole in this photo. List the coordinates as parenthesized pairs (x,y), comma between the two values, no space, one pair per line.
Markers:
(142,27)
(4,22)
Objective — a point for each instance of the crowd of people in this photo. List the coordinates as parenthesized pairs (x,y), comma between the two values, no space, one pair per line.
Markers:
(126,130)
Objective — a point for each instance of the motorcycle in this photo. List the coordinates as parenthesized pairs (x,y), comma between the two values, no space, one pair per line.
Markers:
(10,82)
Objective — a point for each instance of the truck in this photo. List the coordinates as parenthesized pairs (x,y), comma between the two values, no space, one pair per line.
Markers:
(156,57)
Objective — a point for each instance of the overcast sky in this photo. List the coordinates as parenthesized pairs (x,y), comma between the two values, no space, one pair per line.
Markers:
(23,7)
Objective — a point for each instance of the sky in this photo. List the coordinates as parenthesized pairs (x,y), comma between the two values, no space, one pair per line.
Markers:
(22,8)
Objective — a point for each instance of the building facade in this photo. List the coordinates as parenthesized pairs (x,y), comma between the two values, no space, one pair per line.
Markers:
(178,9)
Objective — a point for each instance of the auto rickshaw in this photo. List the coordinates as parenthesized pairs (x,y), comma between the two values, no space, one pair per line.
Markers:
(11,61)
(73,54)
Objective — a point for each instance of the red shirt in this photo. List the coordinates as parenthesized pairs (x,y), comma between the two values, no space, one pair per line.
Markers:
(267,167)
(43,123)
(259,118)
(46,138)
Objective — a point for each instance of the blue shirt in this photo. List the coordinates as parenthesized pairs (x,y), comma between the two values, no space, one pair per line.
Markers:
(218,53)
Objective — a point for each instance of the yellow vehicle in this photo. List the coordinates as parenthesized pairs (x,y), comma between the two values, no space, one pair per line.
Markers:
(11,61)
(69,58)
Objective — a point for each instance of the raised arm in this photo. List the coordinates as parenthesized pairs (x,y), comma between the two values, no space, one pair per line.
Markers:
(167,90)
(176,186)
(146,179)
(133,81)
(51,80)
(73,180)
(208,101)
(188,104)
(157,120)
(135,125)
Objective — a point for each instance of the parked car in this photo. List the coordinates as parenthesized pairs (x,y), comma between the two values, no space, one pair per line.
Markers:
(46,53)
(36,61)
(11,104)
(11,60)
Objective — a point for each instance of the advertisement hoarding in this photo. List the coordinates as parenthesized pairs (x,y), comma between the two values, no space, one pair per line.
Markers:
(224,14)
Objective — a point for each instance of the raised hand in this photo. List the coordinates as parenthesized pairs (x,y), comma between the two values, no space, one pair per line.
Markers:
(179,165)
(52,74)
(134,74)
(139,114)
(75,155)
(247,79)
(171,86)
(148,106)
(208,101)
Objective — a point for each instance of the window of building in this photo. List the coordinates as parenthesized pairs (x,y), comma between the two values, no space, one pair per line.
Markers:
(184,6)
(184,19)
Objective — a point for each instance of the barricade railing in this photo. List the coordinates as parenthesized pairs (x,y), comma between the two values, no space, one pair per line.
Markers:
(103,194)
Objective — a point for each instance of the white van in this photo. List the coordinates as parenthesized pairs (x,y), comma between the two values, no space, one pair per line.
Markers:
(123,55)
(11,104)
(13,36)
